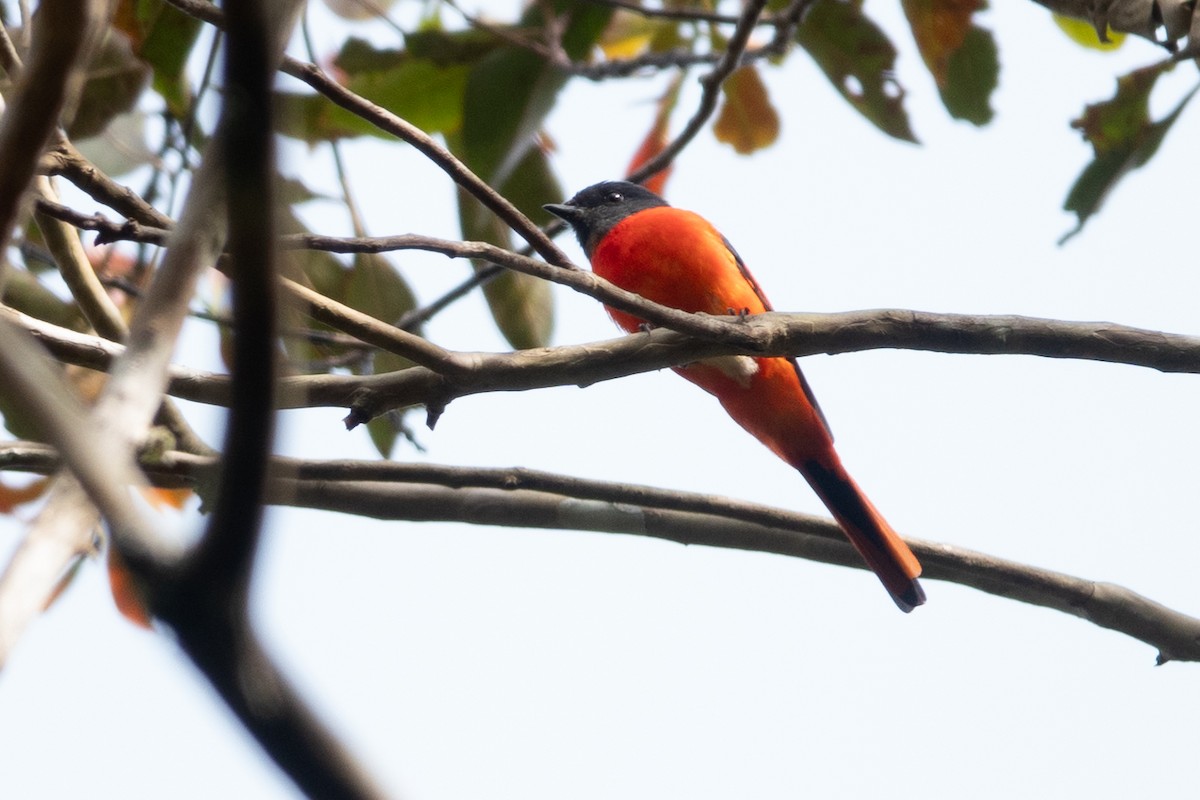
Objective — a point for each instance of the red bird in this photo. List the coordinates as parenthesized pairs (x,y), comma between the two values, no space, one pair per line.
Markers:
(678,259)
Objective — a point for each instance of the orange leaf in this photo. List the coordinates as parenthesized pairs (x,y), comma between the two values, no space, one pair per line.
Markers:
(656,140)
(13,496)
(747,121)
(166,498)
(124,591)
(940,28)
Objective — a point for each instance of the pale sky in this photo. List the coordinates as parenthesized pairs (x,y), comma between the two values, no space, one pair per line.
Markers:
(465,663)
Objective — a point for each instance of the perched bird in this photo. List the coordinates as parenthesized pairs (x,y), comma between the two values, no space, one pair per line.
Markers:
(676,258)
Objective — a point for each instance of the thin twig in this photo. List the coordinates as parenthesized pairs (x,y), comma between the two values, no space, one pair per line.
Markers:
(711,88)
(388,122)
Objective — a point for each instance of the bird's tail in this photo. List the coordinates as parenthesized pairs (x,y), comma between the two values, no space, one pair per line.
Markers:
(882,548)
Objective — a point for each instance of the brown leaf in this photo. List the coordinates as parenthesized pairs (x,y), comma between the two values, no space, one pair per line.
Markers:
(13,496)
(747,120)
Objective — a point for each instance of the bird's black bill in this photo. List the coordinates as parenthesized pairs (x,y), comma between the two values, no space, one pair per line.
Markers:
(564,212)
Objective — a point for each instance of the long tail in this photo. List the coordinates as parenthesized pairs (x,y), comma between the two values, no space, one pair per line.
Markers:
(884,551)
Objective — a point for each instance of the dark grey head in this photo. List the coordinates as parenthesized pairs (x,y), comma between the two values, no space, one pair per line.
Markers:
(594,211)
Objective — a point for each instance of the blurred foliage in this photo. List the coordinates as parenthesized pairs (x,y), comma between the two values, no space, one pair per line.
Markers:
(1123,138)
(1084,32)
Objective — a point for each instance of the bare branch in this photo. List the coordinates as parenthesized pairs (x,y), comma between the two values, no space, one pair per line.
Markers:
(519,497)
(63,531)
(63,32)
(65,160)
(386,121)
(582,281)
(206,601)
(777,334)
(1175,635)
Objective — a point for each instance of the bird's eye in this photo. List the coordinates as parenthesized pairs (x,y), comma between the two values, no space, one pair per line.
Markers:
(613,197)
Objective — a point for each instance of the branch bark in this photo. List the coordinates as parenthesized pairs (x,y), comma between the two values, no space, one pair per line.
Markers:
(519,497)
(581,365)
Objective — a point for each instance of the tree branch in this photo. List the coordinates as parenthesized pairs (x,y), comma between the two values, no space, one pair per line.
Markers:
(388,122)
(526,498)
(63,531)
(519,497)
(778,334)
(1175,635)
(206,601)
(711,88)
(63,31)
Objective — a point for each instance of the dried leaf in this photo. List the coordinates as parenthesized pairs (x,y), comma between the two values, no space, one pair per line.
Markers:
(13,496)
(940,28)
(747,120)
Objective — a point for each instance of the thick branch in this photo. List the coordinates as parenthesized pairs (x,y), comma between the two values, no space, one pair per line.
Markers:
(780,334)
(1175,635)
(206,601)
(521,497)
(62,32)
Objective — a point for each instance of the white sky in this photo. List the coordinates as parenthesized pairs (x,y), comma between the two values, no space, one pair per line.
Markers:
(470,663)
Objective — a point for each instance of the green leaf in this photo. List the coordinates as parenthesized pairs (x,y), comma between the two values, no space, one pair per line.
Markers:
(376,288)
(121,147)
(25,293)
(163,37)
(508,94)
(961,56)
(384,430)
(115,79)
(972,75)
(418,90)
(859,60)
(447,48)
(522,306)
(1123,138)
(510,91)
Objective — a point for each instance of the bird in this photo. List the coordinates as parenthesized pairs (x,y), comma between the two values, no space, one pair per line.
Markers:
(637,241)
